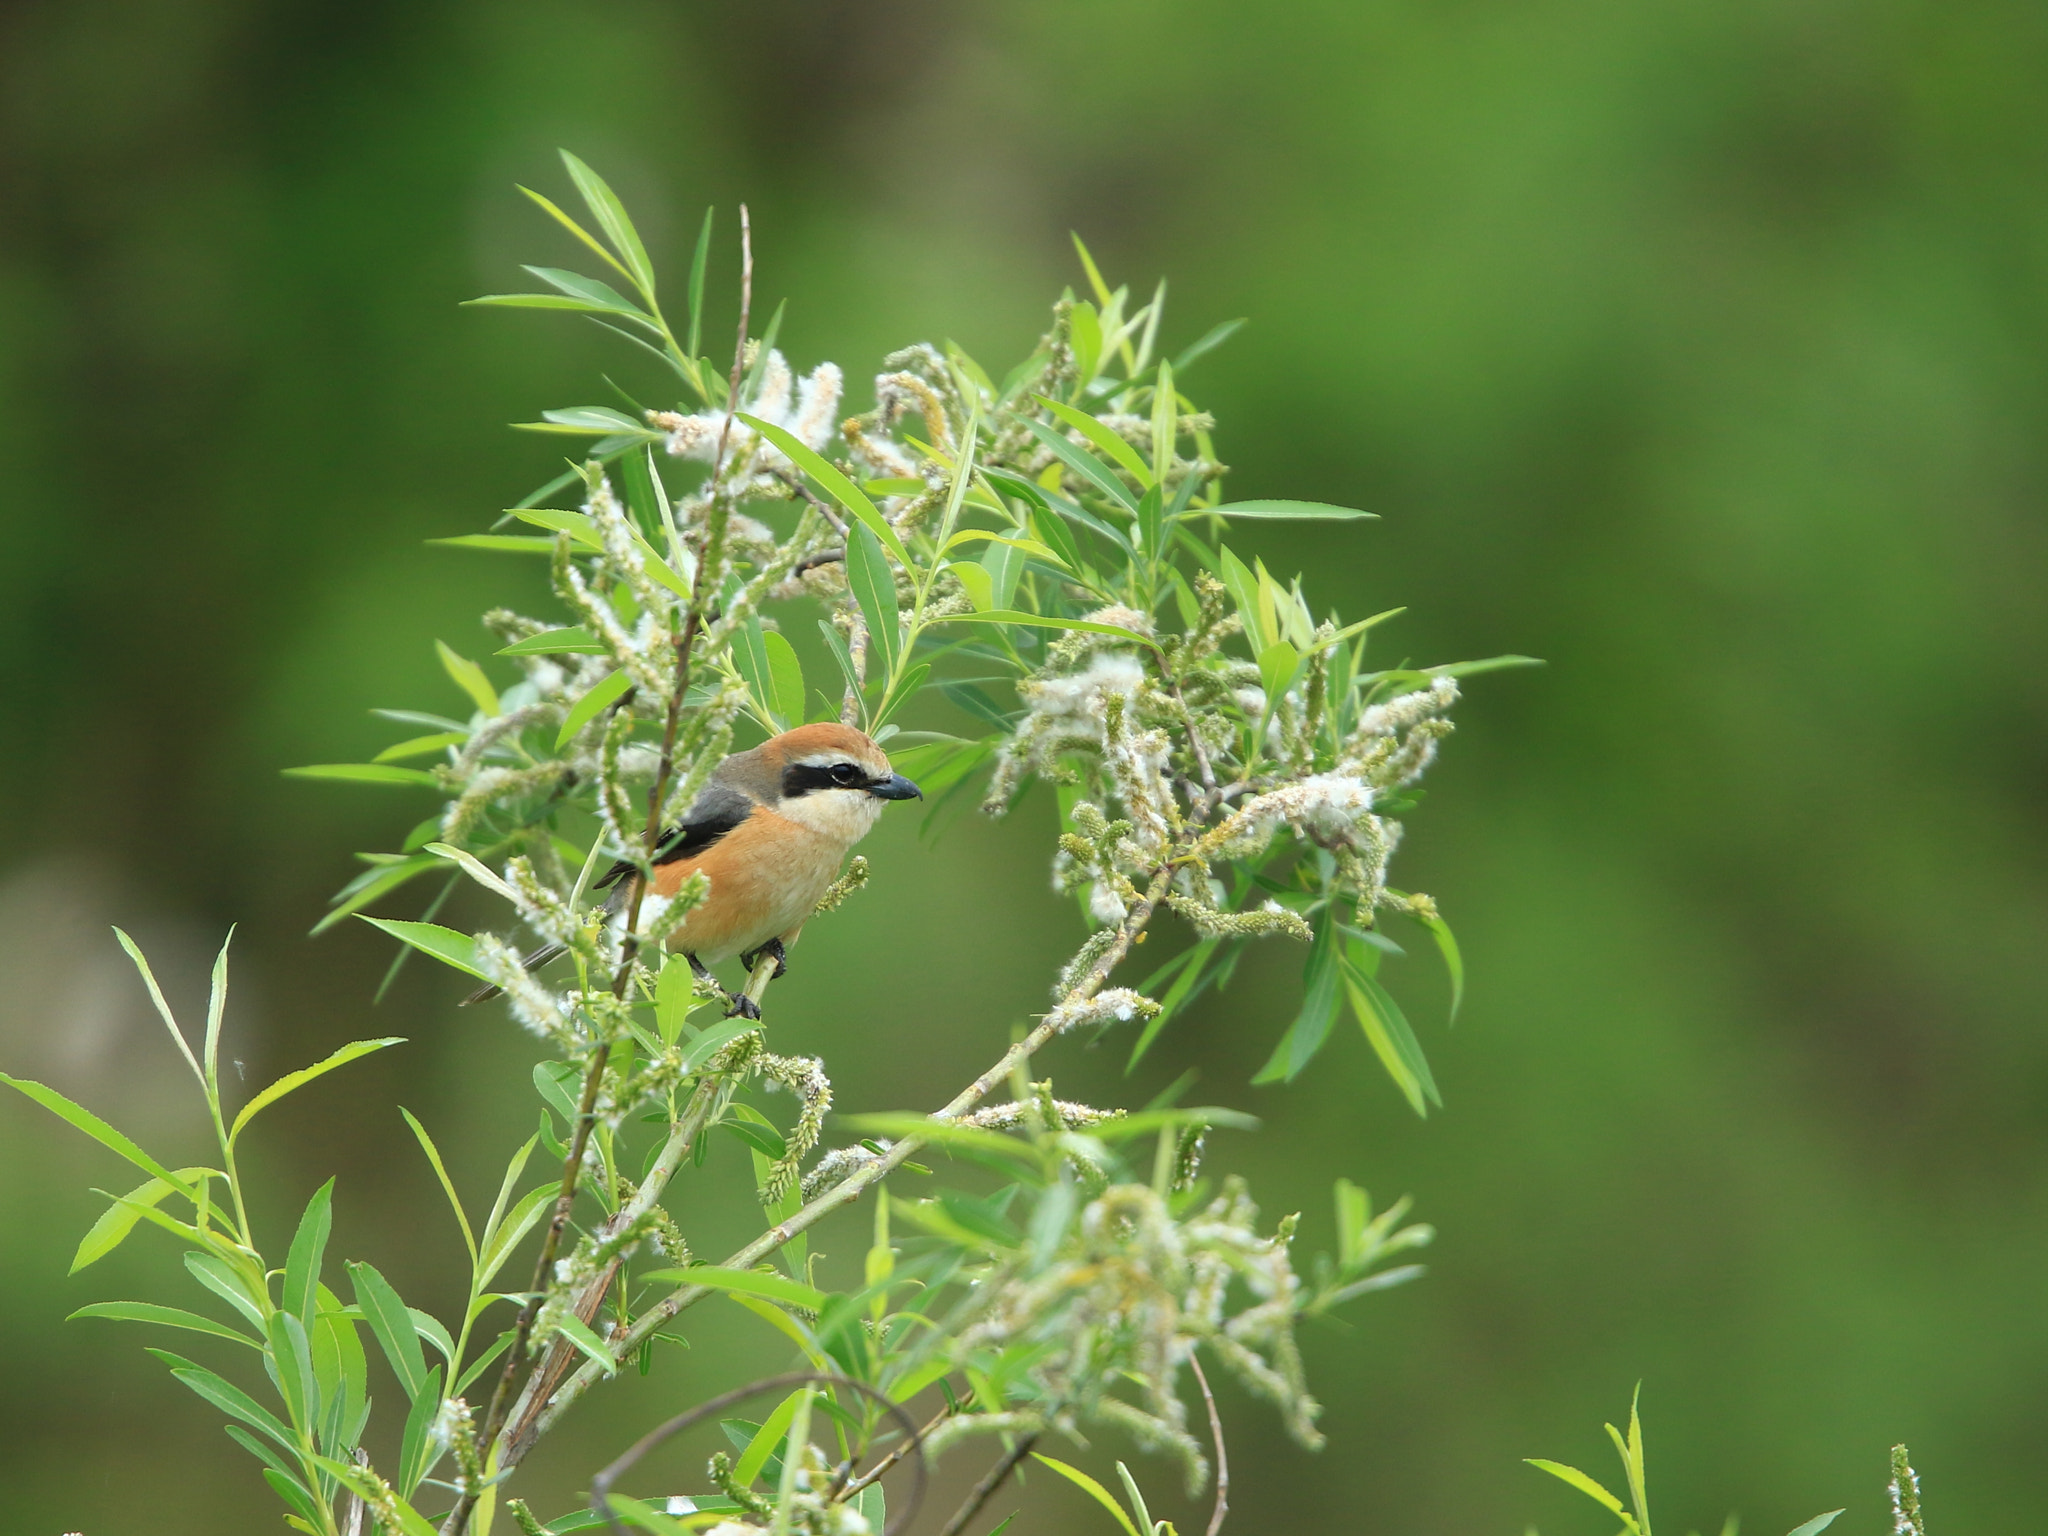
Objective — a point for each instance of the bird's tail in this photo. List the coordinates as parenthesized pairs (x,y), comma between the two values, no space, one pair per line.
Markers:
(537,957)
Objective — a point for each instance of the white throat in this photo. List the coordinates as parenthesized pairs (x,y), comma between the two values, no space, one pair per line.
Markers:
(844,815)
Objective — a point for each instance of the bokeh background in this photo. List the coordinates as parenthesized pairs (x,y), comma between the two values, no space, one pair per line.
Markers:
(1697,348)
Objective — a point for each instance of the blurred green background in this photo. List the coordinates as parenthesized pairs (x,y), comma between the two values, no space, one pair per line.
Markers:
(1696,348)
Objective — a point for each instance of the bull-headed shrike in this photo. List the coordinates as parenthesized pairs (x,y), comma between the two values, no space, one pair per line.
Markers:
(770,831)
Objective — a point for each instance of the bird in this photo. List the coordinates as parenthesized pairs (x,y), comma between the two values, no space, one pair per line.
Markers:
(770,830)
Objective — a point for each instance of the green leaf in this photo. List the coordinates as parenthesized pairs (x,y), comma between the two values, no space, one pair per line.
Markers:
(1085,331)
(381,882)
(507,1235)
(577,230)
(605,691)
(245,1295)
(417,1450)
(1447,945)
(836,485)
(1209,341)
(227,1397)
(358,1480)
(1392,1040)
(750,656)
(751,1282)
(674,998)
(579,1334)
(1165,427)
(1084,464)
(1585,1485)
(976,582)
(697,266)
(1278,665)
(447,1184)
(1243,587)
(1284,511)
(273,1461)
(292,1357)
(1046,621)
(598,297)
(787,674)
(500,543)
(469,677)
(291,1082)
(556,642)
(1102,437)
(1489,664)
(581,306)
(170,1317)
(1095,1490)
(100,1132)
(420,746)
(611,217)
(309,1247)
(762,1445)
(118,1220)
(590,421)
(709,1042)
(444,944)
(1058,537)
(874,588)
(1817,1524)
(364,773)
(391,1322)
(1319,1004)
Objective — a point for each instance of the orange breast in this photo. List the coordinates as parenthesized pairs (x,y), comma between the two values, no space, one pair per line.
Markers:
(767,876)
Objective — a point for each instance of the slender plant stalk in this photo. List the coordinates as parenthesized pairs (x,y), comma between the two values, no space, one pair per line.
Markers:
(984,1490)
(519,1357)
(1222,1455)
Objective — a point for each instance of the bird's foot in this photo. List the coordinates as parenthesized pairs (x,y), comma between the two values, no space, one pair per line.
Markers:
(774,950)
(743,1006)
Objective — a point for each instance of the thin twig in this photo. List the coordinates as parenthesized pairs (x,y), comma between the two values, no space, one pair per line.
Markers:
(984,1489)
(518,1359)
(1222,1456)
(858,1183)
(881,1467)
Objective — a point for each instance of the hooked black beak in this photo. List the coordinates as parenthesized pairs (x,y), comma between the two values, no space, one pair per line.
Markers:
(896,787)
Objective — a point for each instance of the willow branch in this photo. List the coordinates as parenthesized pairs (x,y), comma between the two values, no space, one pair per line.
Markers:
(519,1359)
(858,1183)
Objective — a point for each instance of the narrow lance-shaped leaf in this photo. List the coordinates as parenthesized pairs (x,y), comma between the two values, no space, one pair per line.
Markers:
(1102,437)
(293,1081)
(837,486)
(392,1324)
(118,1220)
(469,677)
(100,1132)
(1094,1490)
(607,690)
(309,1247)
(447,1184)
(170,1317)
(874,589)
(1085,464)
(610,213)
(698,264)
(444,944)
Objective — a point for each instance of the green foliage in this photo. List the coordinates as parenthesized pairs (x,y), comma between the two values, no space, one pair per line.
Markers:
(1635,1516)
(1045,556)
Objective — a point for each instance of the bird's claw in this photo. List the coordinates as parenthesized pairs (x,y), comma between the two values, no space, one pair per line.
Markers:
(774,950)
(743,1007)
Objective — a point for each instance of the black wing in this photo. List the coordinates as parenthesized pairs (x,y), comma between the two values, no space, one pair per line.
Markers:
(715,812)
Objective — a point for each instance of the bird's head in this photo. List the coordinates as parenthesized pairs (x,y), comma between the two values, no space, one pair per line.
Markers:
(832,779)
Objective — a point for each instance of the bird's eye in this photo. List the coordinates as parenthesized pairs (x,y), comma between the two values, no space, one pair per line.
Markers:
(844,773)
